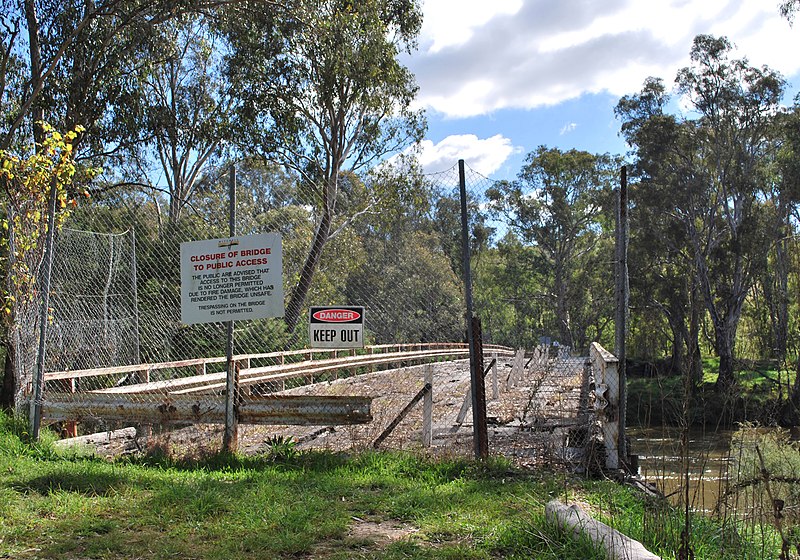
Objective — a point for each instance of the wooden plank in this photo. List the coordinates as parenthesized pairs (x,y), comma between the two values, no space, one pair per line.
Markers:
(283,409)
(427,409)
(116,370)
(215,381)
(99,438)
(310,370)
(95,372)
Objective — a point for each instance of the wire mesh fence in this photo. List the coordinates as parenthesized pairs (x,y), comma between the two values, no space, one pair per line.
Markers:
(118,352)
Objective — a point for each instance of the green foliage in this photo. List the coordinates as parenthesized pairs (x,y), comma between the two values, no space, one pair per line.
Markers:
(701,211)
(765,478)
(316,504)
(412,273)
(556,206)
(27,180)
(15,440)
(323,93)
(789,9)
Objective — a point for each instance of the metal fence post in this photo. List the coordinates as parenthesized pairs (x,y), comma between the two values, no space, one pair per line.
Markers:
(621,326)
(230,440)
(38,382)
(480,442)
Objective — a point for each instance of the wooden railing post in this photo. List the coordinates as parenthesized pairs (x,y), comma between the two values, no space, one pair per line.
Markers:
(607,404)
(427,409)
(495,388)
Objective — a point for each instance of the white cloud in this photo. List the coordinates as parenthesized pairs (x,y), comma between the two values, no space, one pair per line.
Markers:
(567,128)
(478,57)
(450,23)
(484,156)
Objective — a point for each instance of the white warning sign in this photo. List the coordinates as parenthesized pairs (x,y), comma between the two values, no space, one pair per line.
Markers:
(231,279)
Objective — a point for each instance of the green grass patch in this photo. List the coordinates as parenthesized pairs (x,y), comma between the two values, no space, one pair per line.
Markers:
(760,395)
(300,505)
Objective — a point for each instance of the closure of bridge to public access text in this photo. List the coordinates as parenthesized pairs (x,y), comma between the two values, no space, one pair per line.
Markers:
(231,279)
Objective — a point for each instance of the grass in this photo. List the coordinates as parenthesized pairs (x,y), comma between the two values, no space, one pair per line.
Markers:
(302,505)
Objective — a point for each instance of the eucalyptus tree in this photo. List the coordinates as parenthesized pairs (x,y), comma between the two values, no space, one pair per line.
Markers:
(188,110)
(789,8)
(510,286)
(329,97)
(78,62)
(784,193)
(779,185)
(702,174)
(556,203)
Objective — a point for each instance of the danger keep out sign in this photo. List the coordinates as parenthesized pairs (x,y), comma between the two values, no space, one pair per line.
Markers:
(336,327)
(231,279)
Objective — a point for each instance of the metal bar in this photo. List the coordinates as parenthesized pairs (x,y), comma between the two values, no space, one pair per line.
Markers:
(230,440)
(474,371)
(621,323)
(295,410)
(38,382)
(135,286)
(529,361)
(403,413)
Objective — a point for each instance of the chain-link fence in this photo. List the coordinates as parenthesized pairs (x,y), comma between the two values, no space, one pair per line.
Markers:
(118,352)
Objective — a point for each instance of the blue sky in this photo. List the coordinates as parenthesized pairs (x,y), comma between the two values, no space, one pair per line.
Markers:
(498,78)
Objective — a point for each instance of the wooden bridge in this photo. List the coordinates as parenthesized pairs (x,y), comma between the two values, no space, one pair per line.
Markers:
(540,405)
(186,391)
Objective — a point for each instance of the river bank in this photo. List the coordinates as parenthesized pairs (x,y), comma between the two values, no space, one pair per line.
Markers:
(660,401)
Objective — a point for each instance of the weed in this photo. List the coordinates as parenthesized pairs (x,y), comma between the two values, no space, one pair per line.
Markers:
(280,448)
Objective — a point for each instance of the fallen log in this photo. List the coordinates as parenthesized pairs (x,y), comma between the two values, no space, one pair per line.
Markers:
(99,438)
(617,546)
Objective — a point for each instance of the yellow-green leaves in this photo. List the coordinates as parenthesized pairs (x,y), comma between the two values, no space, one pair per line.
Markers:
(27,179)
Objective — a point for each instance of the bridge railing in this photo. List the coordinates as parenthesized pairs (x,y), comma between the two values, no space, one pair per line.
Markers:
(606,403)
(193,390)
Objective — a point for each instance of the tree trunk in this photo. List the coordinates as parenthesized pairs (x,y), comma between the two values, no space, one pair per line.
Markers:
(10,380)
(725,336)
(781,303)
(562,307)
(300,291)
(35,56)
(11,377)
(695,366)
(680,335)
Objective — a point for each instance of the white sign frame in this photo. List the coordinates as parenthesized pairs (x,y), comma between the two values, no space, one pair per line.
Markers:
(232,279)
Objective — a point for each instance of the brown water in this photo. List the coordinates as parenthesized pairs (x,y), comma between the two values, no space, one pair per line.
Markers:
(661,463)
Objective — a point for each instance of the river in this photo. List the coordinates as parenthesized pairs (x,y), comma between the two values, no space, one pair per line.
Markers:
(661,463)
